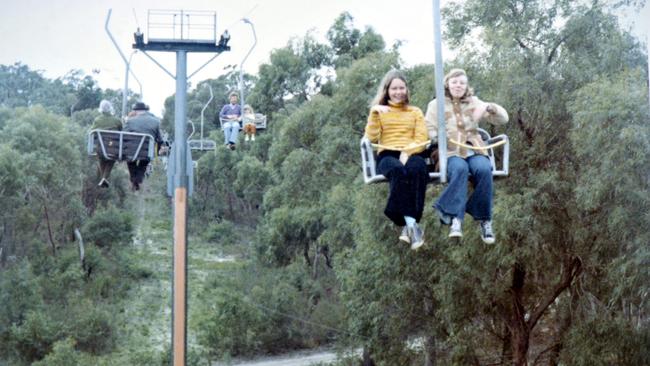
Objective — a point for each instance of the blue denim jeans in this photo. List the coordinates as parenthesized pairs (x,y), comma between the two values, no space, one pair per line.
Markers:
(453,200)
(230,132)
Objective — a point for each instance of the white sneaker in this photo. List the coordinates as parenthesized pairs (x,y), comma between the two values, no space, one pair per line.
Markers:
(247,138)
(487,235)
(404,235)
(456,229)
(417,236)
(252,137)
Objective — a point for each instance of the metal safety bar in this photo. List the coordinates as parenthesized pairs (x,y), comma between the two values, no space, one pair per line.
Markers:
(102,141)
(369,165)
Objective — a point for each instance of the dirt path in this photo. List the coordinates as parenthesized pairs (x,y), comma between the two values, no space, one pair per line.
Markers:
(293,359)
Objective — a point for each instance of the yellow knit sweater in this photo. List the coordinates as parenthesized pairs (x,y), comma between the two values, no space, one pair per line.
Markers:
(399,127)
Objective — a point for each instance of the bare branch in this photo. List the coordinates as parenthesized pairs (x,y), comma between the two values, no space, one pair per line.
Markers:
(569,272)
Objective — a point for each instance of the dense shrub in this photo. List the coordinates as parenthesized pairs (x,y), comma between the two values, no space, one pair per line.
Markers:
(108,228)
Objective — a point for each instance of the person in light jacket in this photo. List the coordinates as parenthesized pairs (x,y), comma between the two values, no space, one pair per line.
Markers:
(463,113)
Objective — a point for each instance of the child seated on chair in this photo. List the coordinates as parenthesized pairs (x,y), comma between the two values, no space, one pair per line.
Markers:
(249,123)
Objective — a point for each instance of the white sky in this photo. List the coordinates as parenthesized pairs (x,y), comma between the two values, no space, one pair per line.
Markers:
(59,35)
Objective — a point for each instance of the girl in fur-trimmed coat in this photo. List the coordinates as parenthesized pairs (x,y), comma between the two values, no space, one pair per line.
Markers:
(463,112)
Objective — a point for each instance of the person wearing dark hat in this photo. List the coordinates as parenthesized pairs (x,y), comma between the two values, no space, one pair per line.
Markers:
(141,122)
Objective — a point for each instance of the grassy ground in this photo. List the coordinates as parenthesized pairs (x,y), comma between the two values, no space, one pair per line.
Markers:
(145,330)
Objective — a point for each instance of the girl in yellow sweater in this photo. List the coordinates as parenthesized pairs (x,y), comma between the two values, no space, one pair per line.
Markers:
(401,130)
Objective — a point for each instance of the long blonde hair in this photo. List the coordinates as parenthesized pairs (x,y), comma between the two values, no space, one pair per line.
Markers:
(248,107)
(382,92)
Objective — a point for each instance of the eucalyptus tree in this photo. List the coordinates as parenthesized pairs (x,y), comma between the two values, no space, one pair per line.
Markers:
(293,74)
(539,58)
(48,159)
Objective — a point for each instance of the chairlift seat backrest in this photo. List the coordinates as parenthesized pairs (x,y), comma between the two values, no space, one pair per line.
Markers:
(121,145)
(260,121)
(369,158)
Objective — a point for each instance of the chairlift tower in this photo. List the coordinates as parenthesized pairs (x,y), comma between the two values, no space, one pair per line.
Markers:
(180,32)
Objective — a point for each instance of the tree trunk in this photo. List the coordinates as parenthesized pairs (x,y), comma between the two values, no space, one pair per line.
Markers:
(520,339)
(49,229)
(522,323)
(506,347)
(82,251)
(519,332)
(566,320)
(367,360)
(305,253)
(231,209)
(315,273)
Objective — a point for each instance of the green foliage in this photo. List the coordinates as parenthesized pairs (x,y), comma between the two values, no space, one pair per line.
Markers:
(284,78)
(606,341)
(253,179)
(93,328)
(63,354)
(41,197)
(109,228)
(264,311)
(85,117)
(231,326)
(215,193)
(349,43)
(287,232)
(23,87)
(33,338)
(20,294)
(220,232)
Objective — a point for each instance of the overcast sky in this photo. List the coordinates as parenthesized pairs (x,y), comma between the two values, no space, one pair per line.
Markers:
(59,35)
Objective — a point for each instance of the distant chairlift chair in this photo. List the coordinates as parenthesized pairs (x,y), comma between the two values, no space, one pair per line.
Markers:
(202,144)
(121,145)
(369,156)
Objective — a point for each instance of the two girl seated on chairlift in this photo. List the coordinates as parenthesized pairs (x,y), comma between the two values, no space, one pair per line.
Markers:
(402,132)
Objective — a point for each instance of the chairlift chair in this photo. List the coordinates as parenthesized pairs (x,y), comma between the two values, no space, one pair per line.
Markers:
(260,122)
(369,156)
(200,144)
(121,145)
